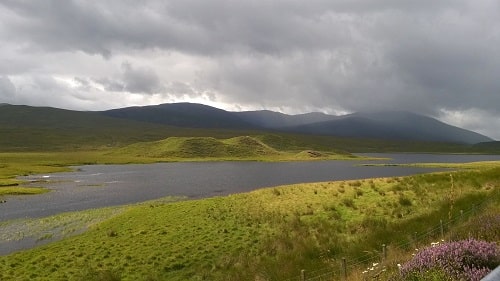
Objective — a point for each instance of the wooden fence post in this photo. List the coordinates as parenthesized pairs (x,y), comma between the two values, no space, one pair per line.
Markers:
(384,252)
(344,268)
(303,275)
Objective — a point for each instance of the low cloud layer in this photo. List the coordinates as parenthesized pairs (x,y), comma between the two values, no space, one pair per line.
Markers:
(435,57)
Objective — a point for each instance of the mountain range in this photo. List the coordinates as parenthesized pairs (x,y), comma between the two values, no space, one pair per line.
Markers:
(387,125)
(25,128)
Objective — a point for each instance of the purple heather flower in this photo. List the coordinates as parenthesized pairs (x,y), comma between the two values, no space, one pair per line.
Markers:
(462,260)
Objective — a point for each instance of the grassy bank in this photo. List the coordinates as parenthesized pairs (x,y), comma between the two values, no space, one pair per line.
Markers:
(268,234)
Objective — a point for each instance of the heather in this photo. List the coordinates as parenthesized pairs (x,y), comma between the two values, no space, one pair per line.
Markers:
(459,260)
(484,227)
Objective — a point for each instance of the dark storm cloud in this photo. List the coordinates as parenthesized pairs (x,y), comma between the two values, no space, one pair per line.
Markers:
(431,56)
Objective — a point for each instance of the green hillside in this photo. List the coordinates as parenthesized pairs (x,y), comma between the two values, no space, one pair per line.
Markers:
(267,234)
(206,148)
(26,128)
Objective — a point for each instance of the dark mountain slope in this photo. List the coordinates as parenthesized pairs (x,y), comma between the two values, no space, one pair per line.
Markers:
(493,146)
(182,115)
(25,128)
(391,125)
(274,120)
(45,128)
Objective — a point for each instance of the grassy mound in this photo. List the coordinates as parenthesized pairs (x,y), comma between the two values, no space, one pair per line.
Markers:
(268,234)
(243,147)
(236,148)
(200,147)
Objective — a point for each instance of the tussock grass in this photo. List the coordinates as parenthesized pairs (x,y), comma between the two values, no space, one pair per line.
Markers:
(267,234)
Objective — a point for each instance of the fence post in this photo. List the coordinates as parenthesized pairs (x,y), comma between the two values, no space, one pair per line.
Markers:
(461,215)
(344,268)
(303,275)
(384,252)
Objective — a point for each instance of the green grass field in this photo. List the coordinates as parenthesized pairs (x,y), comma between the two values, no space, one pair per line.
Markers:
(268,234)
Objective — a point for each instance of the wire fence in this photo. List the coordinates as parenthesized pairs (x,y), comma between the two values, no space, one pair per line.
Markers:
(440,231)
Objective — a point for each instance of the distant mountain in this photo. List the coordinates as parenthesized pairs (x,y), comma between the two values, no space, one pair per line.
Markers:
(275,120)
(25,128)
(42,128)
(387,125)
(391,125)
(182,115)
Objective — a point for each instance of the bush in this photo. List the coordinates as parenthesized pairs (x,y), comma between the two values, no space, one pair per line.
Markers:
(348,202)
(405,201)
(462,260)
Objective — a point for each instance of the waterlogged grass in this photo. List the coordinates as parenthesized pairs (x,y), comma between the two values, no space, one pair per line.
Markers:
(54,227)
(21,190)
(268,234)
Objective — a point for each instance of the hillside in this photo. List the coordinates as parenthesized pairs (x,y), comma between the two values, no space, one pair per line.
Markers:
(45,128)
(276,120)
(209,148)
(391,125)
(182,115)
(199,147)
(27,128)
(385,125)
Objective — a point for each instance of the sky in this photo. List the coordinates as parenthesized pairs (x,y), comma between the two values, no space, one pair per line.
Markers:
(440,58)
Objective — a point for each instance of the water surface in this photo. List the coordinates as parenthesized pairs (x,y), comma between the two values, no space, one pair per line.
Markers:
(108,185)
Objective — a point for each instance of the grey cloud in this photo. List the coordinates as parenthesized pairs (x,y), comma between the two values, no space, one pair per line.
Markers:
(133,80)
(140,80)
(202,27)
(110,85)
(7,90)
(424,56)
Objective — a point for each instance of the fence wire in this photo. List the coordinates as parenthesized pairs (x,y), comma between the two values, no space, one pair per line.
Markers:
(329,273)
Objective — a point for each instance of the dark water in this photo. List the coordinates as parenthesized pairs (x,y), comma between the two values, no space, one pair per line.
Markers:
(108,185)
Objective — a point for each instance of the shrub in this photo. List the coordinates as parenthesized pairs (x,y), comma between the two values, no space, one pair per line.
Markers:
(404,201)
(348,202)
(355,183)
(462,260)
